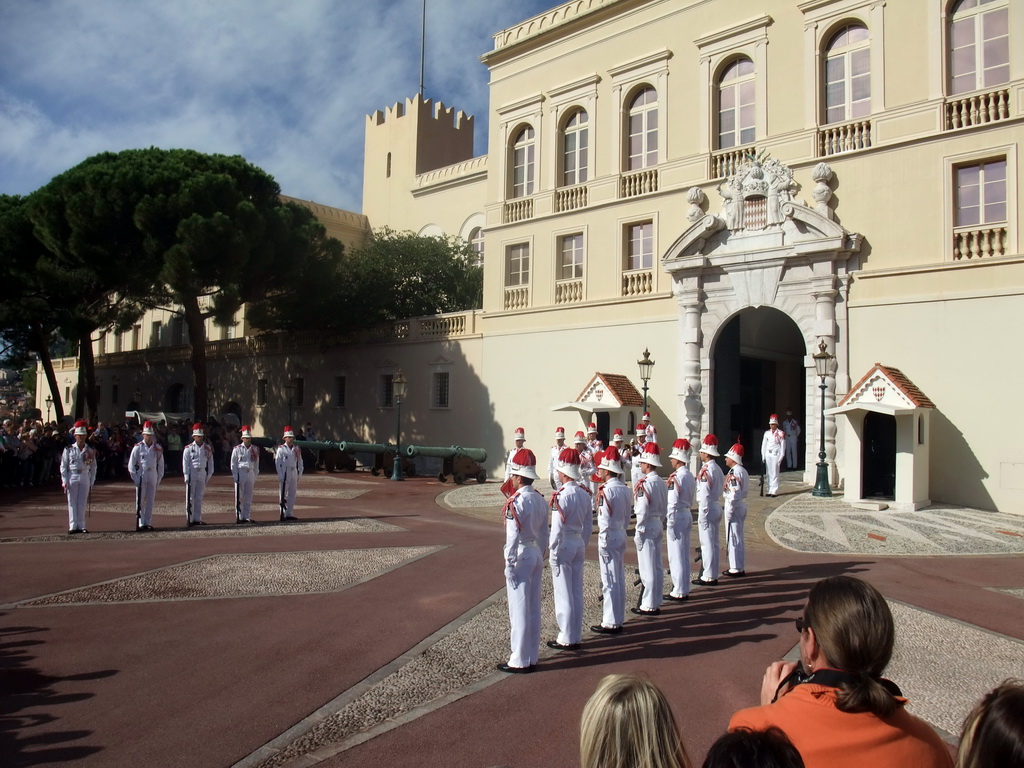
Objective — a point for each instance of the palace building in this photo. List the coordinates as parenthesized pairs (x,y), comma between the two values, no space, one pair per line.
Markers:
(733,187)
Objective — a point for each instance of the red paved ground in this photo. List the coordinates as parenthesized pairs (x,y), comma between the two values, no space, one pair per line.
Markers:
(206,682)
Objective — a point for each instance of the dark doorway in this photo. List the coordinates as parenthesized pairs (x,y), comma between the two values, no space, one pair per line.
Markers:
(758,371)
(879,459)
(602,421)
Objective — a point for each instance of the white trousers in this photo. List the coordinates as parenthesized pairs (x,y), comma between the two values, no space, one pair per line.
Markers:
(677,542)
(772,461)
(648,558)
(197,487)
(567,580)
(611,546)
(246,483)
(707,530)
(146,497)
(735,517)
(78,499)
(791,452)
(522,585)
(291,487)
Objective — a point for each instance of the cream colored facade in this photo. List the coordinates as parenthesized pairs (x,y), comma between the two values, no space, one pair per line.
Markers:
(736,212)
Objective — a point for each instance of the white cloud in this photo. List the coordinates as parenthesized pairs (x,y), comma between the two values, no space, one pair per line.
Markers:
(285,85)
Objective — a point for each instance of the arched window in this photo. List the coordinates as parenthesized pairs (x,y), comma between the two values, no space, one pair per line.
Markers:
(523,156)
(736,104)
(388,171)
(979,45)
(848,74)
(575,149)
(643,130)
(476,242)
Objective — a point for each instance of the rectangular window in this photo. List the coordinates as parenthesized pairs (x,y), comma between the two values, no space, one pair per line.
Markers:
(570,264)
(102,346)
(67,395)
(297,390)
(118,338)
(339,391)
(137,337)
(441,383)
(981,193)
(517,265)
(114,392)
(261,392)
(640,246)
(99,394)
(154,333)
(387,390)
(178,333)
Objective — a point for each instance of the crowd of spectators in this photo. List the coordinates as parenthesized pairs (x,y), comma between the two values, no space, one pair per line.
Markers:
(30,450)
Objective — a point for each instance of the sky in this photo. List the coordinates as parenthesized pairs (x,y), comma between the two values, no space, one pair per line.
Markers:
(287,85)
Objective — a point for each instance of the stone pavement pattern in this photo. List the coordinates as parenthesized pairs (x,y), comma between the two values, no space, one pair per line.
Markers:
(408,600)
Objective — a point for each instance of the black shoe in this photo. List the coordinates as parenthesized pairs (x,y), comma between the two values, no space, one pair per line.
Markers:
(290,517)
(514,670)
(701,583)
(645,612)
(73,531)
(675,599)
(147,527)
(735,574)
(250,521)
(192,523)
(603,630)
(559,647)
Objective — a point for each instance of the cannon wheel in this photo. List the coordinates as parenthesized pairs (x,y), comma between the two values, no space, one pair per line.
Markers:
(459,478)
(442,477)
(481,476)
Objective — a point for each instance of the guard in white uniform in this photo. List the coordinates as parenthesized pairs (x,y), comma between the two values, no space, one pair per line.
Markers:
(681,488)
(792,429)
(556,451)
(587,466)
(650,433)
(596,448)
(773,445)
(245,466)
(571,523)
(146,467)
(650,501)
(526,532)
(612,515)
(77,475)
(634,454)
(288,461)
(709,510)
(737,481)
(197,467)
(520,441)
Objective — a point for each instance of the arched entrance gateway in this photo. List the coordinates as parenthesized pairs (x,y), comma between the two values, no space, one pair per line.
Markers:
(759,284)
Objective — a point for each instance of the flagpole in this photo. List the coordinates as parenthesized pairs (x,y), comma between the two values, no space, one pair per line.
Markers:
(423,43)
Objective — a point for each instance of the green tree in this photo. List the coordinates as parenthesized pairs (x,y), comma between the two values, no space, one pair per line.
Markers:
(94,266)
(203,233)
(30,311)
(401,274)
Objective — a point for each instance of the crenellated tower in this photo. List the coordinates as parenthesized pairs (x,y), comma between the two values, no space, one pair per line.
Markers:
(402,142)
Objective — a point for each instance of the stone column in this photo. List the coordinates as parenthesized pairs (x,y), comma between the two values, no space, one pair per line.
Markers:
(691,307)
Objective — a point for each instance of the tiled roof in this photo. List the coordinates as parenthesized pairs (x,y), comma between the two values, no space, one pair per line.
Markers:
(622,389)
(899,380)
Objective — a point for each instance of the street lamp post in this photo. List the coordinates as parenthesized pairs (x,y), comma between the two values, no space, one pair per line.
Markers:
(398,392)
(822,358)
(49,404)
(645,373)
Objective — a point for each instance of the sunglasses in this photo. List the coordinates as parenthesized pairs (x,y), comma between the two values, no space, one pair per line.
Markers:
(801,625)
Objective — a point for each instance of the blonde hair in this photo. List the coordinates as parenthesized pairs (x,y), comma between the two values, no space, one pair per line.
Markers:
(628,723)
(994,730)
